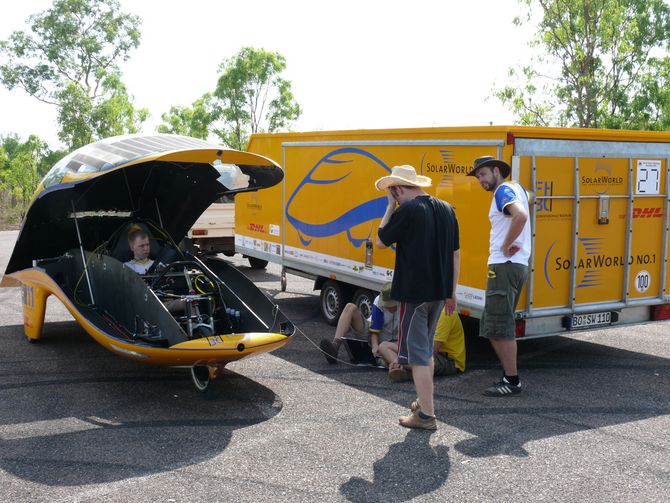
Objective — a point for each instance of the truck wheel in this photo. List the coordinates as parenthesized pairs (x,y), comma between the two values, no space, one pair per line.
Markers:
(363,298)
(332,301)
(257,263)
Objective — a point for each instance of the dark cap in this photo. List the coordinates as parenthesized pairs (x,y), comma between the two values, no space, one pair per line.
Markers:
(490,162)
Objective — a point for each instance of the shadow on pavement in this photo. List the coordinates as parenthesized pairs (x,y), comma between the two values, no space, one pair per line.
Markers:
(74,414)
(409,469)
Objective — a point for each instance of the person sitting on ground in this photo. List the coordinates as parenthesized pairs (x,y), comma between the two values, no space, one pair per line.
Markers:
(382,326)
(448,350)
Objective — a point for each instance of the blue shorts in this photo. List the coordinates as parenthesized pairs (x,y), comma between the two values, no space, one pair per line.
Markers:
(416,331)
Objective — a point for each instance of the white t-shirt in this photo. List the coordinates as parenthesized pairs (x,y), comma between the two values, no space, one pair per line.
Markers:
(506,194)
(139,266)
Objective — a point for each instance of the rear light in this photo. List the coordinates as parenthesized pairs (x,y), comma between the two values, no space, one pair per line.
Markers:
(199,232)
(510,138)
(660,312)
(520,328)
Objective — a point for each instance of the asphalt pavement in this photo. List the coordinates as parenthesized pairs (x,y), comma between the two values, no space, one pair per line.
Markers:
(78,423)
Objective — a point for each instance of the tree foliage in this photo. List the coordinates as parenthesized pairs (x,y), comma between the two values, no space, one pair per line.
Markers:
(22,166)
(69,58)
(250,97)
(253,96)
(605,64)
(194,121)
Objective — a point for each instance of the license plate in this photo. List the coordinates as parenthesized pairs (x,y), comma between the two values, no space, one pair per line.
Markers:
(582,321)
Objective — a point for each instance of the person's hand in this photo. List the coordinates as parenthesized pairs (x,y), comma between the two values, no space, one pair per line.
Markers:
(390,200)
(394,365)
(375,349)
(510,250)
(450,306)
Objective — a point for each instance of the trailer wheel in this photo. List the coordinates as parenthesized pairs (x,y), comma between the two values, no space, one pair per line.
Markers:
(257,263)
(332,301)
(363,298)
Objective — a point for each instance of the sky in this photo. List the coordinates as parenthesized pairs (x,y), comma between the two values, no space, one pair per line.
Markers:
(352,64)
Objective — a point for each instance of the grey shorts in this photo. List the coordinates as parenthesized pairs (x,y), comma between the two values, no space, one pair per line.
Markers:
(416,331)
(503,288)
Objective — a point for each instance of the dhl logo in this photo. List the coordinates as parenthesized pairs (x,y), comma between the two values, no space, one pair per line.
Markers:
(647,212)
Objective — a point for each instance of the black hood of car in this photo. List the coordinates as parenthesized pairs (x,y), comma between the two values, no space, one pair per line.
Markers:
(167,185)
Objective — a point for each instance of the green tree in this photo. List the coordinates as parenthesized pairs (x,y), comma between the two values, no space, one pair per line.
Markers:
(253,97)
(22,166)
(604,64)
(69,58)
(195,121)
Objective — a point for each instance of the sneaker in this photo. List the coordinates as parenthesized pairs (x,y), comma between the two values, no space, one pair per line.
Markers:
(329,350)
(503,388)
(400,375)
(414,420)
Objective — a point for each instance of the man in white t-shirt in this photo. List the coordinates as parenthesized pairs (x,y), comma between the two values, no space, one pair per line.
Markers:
(509,251)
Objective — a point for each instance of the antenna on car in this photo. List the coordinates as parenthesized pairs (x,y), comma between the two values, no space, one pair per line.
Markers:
(83,257)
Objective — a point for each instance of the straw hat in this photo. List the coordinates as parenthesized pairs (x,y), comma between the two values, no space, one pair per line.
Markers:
(403,175)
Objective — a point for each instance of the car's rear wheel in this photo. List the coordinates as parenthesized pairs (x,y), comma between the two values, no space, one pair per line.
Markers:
(200,377)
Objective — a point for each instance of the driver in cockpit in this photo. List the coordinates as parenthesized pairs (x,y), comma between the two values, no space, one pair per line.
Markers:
(138,240)
(140,245)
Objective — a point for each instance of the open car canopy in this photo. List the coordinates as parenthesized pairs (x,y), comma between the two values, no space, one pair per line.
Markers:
(168,179)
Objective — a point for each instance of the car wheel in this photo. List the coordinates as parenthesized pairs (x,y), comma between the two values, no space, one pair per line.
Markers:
(200,377)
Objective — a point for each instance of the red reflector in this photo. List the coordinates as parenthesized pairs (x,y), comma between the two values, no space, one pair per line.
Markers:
(199,232)
(660,312)
(520,328)
(510,138)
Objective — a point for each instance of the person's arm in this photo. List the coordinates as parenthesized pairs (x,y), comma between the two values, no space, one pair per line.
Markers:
(450,304)
(390,208)
(374,343)
(519,219)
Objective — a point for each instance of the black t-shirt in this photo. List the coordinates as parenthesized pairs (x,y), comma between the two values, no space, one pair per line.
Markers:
(425,231)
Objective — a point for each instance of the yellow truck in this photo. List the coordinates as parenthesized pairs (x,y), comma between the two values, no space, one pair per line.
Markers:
(599,222)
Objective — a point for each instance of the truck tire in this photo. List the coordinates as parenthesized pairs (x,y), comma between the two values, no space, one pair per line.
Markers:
(363,298)
(257,263)
(332,301)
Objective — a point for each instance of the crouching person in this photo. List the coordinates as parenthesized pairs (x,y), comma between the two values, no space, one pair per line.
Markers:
(381,327)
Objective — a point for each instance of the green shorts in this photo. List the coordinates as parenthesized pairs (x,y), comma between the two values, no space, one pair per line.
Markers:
(503,288)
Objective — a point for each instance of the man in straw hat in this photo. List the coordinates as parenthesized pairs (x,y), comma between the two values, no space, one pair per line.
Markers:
(509,251)
(425,232)
(380,327)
